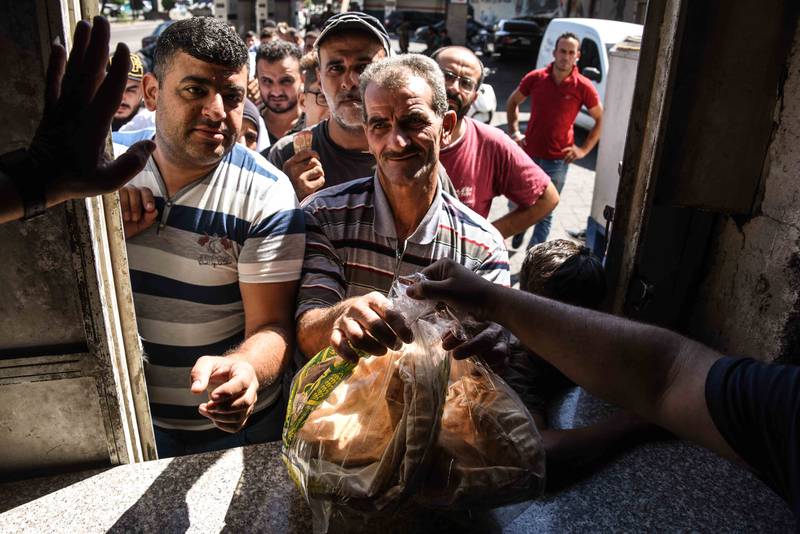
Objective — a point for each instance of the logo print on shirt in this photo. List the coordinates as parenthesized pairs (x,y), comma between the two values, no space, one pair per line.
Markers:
(220,250)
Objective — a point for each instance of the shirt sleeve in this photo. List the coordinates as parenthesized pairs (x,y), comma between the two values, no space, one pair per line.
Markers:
(323,283)
(495,267)
(756,407)
(272,250)
(522,180)
(278,153)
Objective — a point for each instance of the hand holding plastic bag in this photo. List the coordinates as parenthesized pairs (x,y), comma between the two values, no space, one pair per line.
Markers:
(371,436)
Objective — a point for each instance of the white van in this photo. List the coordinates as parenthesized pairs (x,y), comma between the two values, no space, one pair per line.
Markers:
(597,38)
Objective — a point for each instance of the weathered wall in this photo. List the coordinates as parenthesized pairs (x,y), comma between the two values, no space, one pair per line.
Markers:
(749,300)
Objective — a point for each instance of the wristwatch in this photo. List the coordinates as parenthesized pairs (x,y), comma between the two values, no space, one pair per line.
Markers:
(24,174)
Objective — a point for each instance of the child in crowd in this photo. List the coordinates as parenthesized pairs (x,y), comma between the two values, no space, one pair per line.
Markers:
(564,271)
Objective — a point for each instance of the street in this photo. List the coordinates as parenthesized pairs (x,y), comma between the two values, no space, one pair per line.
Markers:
(576,198)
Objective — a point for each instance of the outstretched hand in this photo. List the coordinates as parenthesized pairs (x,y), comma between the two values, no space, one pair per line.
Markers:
(456,286)
(232,388)
(80,101)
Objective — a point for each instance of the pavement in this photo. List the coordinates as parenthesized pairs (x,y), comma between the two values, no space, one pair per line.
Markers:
(576,198)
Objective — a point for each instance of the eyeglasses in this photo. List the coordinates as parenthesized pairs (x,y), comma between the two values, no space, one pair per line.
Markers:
(467,84)
(319,98)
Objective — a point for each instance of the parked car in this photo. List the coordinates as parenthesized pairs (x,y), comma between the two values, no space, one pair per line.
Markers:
(597,37)
(415,19)
(477,33)
(519,36)
(153,37)
(149,45)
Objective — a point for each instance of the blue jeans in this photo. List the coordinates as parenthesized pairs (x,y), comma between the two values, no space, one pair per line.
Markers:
(556,169)
(264,426)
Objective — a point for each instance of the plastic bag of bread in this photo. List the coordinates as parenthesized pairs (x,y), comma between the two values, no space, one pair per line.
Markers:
(411,427)
(361,435)
(489,451)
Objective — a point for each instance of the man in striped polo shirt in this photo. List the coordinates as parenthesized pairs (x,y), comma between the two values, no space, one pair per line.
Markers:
(363,234)
(215,242)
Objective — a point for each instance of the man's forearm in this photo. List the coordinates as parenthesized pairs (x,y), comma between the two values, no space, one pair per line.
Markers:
(512,118)
(267,351)
(593,137)
(314,329)
(521,219)
(625,362)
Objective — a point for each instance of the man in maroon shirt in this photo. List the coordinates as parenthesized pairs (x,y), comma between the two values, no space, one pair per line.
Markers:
(481,160)
(557,93)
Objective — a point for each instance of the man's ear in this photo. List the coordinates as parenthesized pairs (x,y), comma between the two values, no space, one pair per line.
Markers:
(449,121)
(150,89)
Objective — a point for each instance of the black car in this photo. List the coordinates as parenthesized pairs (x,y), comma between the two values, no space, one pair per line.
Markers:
(519,36)
(415,19)
(478,35)
(153,37)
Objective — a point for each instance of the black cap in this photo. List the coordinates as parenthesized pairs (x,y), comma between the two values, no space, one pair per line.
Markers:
(355,20)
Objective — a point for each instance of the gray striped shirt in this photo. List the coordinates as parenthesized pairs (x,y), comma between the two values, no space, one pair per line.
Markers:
(352,248)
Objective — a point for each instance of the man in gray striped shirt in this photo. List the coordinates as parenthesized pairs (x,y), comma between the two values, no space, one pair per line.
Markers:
(363,234)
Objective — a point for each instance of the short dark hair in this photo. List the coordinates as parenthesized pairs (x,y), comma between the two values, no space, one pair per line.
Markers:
(278,50)
(308,68)
(568,35)
(564,271)
(204,38)
(267,32)
(250,33)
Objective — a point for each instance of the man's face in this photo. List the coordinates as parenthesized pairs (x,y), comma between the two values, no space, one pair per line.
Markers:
(462,71)
(250,41)
(279,83)
(308,102)
(566,54)
(131,100)
(249,136)
(199,109)
(404,133)
(342,60)
(308,43)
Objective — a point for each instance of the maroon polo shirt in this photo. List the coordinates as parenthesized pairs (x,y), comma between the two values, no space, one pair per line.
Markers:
(553,110)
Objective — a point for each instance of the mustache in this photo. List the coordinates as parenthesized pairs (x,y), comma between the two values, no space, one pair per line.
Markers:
(457,98)
(351,95)
(212,126)
(392,154)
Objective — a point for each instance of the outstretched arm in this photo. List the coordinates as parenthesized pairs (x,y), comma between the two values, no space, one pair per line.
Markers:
(648,370)
(66,158)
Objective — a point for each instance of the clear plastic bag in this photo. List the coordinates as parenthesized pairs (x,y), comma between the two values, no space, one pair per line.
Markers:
(369,437)
(488,451)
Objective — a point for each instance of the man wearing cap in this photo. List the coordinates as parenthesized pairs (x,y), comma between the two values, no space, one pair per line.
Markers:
(132,97)
(338,152)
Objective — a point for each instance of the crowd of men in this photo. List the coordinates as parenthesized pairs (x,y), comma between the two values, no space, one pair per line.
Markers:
(236,281)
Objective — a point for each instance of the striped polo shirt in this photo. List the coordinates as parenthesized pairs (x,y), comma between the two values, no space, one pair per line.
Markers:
(241,223)
(352,248)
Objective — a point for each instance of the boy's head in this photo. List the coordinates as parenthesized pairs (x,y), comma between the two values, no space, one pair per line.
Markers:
(564,271)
